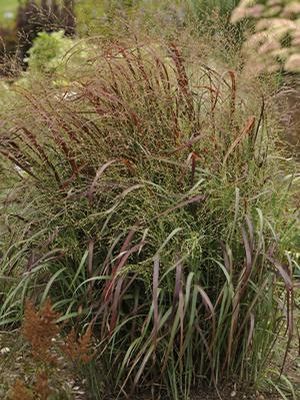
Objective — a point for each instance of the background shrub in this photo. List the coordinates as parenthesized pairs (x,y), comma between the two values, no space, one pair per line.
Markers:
(47,53)
(31,19)
(275,43)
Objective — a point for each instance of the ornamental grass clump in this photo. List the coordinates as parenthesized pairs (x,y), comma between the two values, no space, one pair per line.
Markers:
(148,198)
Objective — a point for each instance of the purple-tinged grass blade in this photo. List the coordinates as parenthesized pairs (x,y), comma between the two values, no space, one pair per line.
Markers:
(155,299)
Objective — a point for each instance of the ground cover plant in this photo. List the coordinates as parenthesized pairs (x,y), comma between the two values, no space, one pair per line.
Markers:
(148,197)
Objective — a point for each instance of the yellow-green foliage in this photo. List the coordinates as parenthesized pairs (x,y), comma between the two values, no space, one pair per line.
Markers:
(48,52)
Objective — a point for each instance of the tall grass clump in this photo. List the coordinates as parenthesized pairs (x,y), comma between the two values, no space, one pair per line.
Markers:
(148,199)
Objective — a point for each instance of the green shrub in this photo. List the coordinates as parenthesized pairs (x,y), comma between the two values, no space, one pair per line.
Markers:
(47,53)
(148,198)
(56,56)
(45,15)
(33,17)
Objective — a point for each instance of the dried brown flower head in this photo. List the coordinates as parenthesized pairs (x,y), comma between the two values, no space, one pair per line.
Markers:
(39,327)
(20,392)
(42,386)
(79,350)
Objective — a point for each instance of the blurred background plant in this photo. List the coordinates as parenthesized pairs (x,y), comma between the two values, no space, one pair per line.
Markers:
(275,43)
(57,56)
(276,24)
(31,18)
(48,52)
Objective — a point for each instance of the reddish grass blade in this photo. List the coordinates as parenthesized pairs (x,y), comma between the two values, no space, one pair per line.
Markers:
(226,257)
(286,275)
(195,199)
(249,255)
(90,265)
(233,93)
(52,255)
(210,308)
(155,299)
(181,320)
(260,119)
(251,233)
(246,131)
(187,144)
(14,160)
(177,287)
(182,79)
(251,330)
(164,76)
(39,148)
(233,326)
(110,284)
(98,175)
(194,157)
(209,354)
(115,306)
(283,271)
(50,123)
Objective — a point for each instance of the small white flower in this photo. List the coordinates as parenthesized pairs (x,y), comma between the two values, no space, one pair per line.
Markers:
(5,350)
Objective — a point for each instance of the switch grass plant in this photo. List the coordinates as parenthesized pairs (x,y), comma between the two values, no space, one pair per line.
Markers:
(149,198)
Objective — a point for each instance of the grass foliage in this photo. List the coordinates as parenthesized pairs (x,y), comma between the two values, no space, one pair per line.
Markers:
(204,8)
(148,199)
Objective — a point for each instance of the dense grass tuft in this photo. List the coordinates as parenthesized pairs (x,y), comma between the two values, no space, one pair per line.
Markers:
(147,198)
